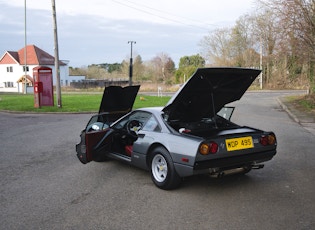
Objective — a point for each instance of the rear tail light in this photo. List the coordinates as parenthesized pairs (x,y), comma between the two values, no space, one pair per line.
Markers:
(206,148)
(269,139)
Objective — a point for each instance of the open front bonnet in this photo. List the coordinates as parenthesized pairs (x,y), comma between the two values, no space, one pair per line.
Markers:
(207,91)
(118,99)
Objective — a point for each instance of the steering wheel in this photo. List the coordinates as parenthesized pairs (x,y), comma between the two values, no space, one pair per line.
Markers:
(133,126)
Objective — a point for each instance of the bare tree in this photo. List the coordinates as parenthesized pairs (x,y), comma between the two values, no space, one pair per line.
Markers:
(241,42)
(164,67)
(231,46)
(216,47)
(297,30)
(265,31)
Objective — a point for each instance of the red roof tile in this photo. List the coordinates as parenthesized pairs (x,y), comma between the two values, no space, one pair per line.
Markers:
(10,57)
(35,56)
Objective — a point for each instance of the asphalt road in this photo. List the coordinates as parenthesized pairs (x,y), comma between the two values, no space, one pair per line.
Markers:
(44,186)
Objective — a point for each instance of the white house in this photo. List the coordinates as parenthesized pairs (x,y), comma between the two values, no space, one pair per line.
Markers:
(12,68)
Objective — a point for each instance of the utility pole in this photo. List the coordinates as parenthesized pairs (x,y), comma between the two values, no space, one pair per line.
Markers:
(57,69)
(260,64)
(130,65)
(25,51)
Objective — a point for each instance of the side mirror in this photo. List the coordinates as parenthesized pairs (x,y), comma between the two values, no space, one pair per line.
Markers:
(97,126)
(226,112)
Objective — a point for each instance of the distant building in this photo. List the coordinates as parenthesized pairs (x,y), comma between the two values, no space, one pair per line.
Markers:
(12,68)
(76,79)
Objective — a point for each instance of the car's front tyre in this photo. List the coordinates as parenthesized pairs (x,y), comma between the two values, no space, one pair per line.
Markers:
(163,172)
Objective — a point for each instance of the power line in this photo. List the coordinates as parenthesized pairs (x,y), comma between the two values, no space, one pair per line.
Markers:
(159,16)
(171,14)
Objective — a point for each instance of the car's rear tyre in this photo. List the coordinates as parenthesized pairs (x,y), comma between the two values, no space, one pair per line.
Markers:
(163,172)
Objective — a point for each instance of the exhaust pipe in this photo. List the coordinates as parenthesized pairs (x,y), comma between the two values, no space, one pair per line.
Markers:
(258,166)
(241,170)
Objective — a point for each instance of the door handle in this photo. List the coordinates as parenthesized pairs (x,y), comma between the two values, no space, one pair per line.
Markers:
(141,135)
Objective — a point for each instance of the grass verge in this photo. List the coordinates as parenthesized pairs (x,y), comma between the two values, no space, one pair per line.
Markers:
(304,103)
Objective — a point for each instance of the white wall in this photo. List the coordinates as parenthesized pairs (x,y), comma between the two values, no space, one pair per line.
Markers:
(18,73)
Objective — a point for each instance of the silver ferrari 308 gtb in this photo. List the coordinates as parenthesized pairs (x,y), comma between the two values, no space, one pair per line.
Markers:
(192,134)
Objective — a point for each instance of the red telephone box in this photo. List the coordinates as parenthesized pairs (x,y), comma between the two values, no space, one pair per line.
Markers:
(43,87)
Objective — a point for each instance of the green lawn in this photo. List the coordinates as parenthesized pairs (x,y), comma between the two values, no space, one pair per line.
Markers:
(71,102)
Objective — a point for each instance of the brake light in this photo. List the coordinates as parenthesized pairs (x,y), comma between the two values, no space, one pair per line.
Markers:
(206,148)
(268,139)
(271,139)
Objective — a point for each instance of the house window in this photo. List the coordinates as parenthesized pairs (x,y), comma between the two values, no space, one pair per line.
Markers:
(8,84)
(10,69)
(27,69)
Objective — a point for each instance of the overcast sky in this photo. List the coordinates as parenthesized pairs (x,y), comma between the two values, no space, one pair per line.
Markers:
(98,31)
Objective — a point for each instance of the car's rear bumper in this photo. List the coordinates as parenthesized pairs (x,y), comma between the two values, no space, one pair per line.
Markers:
(202,167)
(247,159)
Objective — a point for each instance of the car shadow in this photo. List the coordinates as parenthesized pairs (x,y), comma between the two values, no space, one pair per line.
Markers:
(220,183)
(200,182)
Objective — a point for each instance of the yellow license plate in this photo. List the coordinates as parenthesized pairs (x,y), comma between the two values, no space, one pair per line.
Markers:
(239,143)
